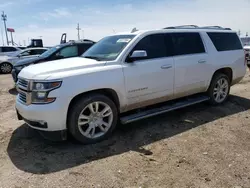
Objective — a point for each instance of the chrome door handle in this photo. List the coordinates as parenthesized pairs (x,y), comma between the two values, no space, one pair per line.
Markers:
(166,66)
(202,61)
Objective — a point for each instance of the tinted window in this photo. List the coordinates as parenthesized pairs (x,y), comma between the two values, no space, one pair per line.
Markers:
(225,41)
(37,51)
(70,51)
(187,43)
(155,46)
(84,47)
(8,49)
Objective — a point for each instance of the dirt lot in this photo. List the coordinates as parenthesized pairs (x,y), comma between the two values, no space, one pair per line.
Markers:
(199,146)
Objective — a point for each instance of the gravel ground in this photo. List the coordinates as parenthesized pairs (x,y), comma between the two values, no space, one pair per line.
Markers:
(199,146)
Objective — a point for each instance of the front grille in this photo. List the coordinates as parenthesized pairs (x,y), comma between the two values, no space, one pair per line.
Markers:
(22,97)
(23,83)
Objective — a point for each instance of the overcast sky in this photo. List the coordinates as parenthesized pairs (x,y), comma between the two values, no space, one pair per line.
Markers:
(98,18)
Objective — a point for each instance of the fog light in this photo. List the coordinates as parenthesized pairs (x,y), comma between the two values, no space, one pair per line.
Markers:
(41,95)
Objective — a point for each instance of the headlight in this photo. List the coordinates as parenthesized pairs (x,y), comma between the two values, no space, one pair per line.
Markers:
(19,68)
(40,91)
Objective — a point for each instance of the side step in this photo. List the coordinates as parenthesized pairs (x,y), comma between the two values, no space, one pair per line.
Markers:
(167,107)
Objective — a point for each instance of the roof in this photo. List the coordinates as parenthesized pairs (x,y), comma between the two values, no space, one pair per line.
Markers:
(185,28)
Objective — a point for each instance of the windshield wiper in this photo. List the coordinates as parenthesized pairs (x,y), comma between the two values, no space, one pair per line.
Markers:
(92,57)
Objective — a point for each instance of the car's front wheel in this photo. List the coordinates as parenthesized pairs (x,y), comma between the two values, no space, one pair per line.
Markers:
(92,119)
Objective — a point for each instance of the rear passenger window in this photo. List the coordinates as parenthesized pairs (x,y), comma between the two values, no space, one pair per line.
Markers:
(8,49)
(187,43)
(154,45)
(225,41)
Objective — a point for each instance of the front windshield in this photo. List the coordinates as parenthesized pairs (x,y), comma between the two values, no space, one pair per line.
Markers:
(108,48)
(49,51)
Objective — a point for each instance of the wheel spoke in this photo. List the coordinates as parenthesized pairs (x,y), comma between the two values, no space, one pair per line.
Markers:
(217,97)
(93,131)
(105,124)
(88,130)
(84,117)
(101,128)
(106,112)
(91,108)
(81,123)
(96,107)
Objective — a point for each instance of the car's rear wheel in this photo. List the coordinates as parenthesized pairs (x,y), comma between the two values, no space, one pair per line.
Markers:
(5,68)
(219,89)
(92,119)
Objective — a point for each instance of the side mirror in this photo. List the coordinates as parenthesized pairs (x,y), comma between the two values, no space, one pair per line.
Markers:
(137,55)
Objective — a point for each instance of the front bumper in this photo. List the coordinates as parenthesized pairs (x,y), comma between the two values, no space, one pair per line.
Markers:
(47,117)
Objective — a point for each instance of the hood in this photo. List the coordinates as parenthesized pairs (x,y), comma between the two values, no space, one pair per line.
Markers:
(59,68)
(27,61)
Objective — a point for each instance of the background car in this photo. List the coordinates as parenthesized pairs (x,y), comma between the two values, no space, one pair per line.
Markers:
(247,53)
(7,62)
(8,50)
(66,50)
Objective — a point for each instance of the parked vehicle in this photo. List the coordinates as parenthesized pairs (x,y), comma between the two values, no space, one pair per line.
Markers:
(7,62)
(247,54)
(8,50)
(67,50)
(146,70)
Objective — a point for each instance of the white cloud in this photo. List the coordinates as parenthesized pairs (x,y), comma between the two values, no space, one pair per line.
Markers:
(6,4)
(55,14)
(99,22)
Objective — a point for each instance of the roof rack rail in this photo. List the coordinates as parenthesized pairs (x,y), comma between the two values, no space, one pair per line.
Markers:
(182,27)
(196,27)
(214,27)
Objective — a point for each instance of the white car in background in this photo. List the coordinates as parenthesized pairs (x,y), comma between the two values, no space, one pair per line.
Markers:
(8,50)
(7,62)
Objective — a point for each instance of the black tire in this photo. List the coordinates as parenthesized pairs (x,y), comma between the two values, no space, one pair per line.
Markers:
(3,67)
(77,108)
(210,91)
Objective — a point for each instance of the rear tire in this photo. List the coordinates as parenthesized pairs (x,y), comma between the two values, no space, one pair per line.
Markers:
(92,118)
(5,68)
(219,89)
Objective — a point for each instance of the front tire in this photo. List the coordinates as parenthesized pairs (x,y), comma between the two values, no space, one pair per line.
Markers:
(5,68)
(219,89)
(92,118)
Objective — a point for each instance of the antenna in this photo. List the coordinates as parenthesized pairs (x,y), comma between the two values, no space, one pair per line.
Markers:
(134,30)
(4,18)
(78,31)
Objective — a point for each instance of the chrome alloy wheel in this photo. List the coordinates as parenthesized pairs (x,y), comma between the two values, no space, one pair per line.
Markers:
(221,90)
(95,119)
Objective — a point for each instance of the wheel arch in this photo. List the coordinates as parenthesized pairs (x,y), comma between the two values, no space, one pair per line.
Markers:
(110,93)
(228,71)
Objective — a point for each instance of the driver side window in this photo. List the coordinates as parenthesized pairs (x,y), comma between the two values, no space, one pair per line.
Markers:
(156,46)
(70,51)
(26,53)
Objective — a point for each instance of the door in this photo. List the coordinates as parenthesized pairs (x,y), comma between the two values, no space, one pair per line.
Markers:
(150,80)
(191,64)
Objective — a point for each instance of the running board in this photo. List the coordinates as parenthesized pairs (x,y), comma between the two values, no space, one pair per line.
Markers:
(163,109)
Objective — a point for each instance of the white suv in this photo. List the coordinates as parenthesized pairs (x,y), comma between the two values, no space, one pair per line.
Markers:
(87,96)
